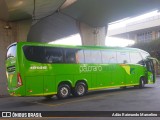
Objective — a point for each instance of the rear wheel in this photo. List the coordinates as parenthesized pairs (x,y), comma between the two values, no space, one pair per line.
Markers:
(142,83)
(80,89)
(64,91)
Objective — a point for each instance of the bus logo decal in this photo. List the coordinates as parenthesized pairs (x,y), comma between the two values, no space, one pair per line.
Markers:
(126,68)
(85,68)
(38,67)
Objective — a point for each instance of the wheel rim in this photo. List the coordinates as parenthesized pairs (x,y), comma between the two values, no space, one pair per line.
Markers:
(80,90)
(64,91)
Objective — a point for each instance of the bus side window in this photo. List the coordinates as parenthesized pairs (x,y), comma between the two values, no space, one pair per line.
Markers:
(34,53)
(79,56)
(123,57)
(108,56)
(96,56)
(54,55)
(92,56)
(136,58)
(70,55)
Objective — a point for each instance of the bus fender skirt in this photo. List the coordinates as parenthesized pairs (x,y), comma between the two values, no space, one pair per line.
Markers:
(82,80)
(67,82)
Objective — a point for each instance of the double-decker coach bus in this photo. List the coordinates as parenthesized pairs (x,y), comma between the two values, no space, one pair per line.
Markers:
(40,69)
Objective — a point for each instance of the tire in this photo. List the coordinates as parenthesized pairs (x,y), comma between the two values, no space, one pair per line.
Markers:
(48,96)
(80,89)
(136,86)
(142,83)
(64,91)
(124,87)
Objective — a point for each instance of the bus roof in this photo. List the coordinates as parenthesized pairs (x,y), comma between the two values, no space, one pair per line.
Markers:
(77,46)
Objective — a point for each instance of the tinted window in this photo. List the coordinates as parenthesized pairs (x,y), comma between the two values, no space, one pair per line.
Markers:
(53,55)
(11,51)
(43,54)
(92,56)
(123,57)
(79,56)
(109,57)
(35,53)
(70,55)
(136,58)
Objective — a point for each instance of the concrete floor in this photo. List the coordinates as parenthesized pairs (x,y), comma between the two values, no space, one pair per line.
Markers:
(130,99)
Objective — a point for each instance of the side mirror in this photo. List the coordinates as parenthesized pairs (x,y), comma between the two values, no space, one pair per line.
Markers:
(142,62)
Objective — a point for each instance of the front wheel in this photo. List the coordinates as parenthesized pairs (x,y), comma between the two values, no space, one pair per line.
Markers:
(142,83)
(80,89)
(64,91)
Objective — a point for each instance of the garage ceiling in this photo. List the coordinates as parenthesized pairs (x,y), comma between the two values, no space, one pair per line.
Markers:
(93,12)
(12,10)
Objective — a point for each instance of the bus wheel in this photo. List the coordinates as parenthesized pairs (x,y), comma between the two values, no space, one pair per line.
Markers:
(80,89)
(64,91)
(48,96)
(142,82)
(124,87)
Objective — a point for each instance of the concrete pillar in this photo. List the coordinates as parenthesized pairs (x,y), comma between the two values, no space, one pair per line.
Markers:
(92,35)
(7,36)
(10,32)
(22,29)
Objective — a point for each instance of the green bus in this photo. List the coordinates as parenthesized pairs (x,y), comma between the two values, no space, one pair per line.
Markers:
(41,69)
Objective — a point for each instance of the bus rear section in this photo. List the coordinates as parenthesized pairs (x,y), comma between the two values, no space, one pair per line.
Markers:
(13,76)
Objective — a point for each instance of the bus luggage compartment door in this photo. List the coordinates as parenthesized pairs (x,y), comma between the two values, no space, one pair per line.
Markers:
(34,86)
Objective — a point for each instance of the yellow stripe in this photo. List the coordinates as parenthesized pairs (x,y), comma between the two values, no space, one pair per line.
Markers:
(111,86)
(50,93)
(150,83)
(42,94)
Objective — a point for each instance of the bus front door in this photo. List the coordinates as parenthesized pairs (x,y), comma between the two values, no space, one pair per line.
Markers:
(150,71)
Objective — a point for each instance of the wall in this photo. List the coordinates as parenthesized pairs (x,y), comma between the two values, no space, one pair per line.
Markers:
(18,32)
(92,35)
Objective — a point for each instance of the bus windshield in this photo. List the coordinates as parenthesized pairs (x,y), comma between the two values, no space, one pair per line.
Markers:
(11,51)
